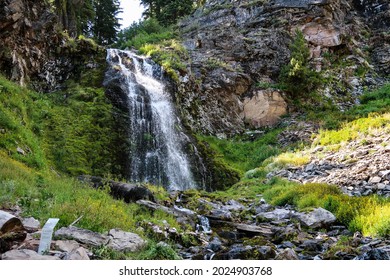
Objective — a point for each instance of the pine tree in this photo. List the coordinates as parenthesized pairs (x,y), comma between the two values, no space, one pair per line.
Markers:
(167,12)
(93,18)
(105,25)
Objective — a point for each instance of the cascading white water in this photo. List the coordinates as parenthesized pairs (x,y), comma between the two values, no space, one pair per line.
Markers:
(157,142)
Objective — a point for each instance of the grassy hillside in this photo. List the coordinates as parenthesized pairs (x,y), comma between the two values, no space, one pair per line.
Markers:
(47,139)
(70,131)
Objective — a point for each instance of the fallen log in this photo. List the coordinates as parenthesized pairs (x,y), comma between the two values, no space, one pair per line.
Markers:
(127,192)
(11,230)
(9,223)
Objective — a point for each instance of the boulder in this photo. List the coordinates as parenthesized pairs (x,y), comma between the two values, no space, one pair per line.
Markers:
(277,214)
(263,230)
(66,246)
(83,236)
(287,254)
(233,205)
(220,214)
(215,245)
(239,251)
(31,224)
(125,241)
(266,253)
(25,254)
(316,219)
(127,192)
(77,254)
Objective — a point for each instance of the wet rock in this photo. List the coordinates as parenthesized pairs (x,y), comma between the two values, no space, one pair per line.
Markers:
(215,245)
(25,254)
(125,241)
(221,214)
(286,244)
(239,251)
(266,253)
(233,205)
(183,216)
(375,254)
(312,246)
(263,208)
(250,230)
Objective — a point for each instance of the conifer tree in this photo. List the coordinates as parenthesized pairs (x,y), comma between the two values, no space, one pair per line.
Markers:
(105,25)
(94,18)
(167,12)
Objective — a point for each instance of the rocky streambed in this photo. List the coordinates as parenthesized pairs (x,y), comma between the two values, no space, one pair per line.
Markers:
(246,229)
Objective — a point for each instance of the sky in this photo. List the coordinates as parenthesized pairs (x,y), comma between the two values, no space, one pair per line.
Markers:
(132,11)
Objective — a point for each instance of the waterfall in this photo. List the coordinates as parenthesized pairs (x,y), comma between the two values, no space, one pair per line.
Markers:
(157,141)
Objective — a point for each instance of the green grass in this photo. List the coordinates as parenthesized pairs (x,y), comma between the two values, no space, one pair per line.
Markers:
(369,215)
(18,131)
(170,54)
(244,155)
(375,101)
(45,195)
(72,131)
(352,130)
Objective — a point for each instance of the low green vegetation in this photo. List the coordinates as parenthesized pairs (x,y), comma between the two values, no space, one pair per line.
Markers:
(45,194)
(149,31)
(71,132)
(170,54)
(159,42)
(368,215)
(255,159)
(244,155)
(375,101)
(352,130)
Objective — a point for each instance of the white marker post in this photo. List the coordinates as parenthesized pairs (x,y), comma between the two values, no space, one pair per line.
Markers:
(46,235)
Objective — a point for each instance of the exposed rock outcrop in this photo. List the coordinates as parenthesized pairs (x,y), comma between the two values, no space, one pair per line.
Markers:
(35,52)
(239,47)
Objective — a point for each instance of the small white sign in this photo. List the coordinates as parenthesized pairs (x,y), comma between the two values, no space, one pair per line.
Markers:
(46,235)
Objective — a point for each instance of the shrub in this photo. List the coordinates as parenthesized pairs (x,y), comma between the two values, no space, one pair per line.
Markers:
(159,251)
(297,78)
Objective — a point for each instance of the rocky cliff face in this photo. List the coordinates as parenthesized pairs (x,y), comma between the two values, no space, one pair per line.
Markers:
(236,46)
(34,51)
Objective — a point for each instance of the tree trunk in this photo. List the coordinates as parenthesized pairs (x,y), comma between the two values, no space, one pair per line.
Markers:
(9,223)
(11,229)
